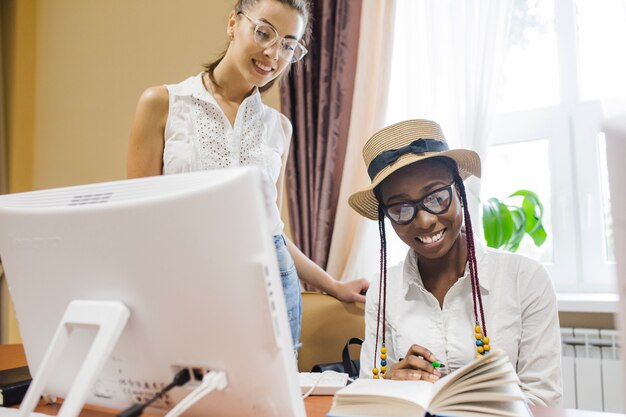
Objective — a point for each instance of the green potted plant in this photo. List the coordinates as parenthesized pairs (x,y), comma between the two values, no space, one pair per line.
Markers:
(506,223)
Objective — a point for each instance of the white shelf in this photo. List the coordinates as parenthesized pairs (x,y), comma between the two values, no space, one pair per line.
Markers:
(588,303)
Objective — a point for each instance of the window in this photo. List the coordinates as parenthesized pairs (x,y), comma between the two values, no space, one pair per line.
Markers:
(573,42)
(561,76)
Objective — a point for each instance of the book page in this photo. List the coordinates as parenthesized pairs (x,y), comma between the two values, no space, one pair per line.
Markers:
(374,396)
(376,409)
(489,397)
(502,409)
(503,373)
(486,369)
(456,390)
(440,386)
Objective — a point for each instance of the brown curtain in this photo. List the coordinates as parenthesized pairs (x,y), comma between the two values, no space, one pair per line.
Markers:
(317,98)
(348,259)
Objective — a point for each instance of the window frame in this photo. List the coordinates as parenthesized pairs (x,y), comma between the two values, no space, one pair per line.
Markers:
(572,128)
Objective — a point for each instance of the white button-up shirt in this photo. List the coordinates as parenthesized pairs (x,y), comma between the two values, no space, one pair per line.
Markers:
(520,312)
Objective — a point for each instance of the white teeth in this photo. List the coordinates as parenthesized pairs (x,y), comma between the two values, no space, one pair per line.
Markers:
(431,239)
(263,67)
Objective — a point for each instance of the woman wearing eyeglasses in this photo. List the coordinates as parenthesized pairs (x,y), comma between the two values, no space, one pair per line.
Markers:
(433,307)
(216,119)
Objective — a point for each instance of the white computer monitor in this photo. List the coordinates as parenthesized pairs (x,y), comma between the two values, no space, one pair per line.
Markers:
(189,255)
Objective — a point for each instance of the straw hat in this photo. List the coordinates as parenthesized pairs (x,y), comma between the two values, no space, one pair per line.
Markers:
(402,144)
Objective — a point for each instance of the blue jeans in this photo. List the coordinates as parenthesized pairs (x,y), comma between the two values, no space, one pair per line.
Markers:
(291,288)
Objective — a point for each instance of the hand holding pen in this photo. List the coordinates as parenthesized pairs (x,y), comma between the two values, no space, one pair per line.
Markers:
(418,364)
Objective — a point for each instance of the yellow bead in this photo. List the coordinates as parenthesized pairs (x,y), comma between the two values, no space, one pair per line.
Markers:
(383,369)
(375,371)
(478,336)
(383,350)
(375,376)
(480,349)
(477,329)
(487,347)
(479,355)
(486,340)
(383,356)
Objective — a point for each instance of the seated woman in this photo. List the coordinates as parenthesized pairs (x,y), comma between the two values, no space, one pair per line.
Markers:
(433,307)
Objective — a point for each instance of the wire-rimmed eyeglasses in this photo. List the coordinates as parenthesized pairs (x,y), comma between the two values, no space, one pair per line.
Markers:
(266,36)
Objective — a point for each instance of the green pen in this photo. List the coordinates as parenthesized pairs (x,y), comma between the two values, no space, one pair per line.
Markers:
(435,364)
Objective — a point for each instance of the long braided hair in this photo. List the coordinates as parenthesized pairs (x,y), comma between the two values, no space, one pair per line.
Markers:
(479,315)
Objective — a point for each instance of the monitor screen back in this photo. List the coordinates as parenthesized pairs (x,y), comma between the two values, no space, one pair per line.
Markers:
(190,255)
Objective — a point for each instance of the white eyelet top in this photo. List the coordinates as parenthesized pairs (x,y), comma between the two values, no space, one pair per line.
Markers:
(199,136)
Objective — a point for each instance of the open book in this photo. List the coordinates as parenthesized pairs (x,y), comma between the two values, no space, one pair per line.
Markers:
(487,386)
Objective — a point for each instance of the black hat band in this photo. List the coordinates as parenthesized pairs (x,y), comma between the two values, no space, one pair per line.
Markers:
(390,156)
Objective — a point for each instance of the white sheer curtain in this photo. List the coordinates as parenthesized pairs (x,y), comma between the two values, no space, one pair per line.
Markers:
(445,66)
(447,55)
(368,116)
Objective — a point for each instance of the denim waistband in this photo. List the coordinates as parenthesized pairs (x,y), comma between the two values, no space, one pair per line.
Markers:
(279,240)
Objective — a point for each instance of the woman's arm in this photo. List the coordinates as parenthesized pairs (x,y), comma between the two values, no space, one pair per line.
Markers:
(312,274)
(539,358)
(145,148)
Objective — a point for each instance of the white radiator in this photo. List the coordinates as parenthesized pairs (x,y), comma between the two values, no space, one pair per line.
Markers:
(592,370)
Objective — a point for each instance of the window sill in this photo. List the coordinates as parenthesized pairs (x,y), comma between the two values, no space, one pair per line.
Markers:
(588,303)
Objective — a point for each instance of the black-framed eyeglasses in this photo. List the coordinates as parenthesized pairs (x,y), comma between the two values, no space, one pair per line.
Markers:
(266,36)
(435,202)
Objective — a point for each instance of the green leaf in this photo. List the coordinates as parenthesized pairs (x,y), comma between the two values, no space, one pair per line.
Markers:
(498,224)
(491,222)
(519,221)
(507,224)
(533,209)
(539,236)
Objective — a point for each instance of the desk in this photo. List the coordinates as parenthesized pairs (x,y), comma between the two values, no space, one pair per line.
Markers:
(12,356)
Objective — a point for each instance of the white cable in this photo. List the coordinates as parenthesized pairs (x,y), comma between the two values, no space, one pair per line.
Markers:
(319,378)
(211,381)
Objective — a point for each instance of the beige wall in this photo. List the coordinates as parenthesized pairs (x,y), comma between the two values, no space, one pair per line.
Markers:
(18,68)
(18,59)
(94,58)
(74,72)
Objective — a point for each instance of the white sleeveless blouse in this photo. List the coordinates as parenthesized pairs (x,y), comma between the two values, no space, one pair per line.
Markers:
(199,136)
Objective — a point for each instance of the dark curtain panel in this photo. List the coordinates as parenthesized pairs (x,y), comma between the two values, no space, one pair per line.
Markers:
(317,98)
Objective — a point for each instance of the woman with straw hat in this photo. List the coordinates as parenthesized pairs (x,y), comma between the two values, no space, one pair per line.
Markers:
(432,307)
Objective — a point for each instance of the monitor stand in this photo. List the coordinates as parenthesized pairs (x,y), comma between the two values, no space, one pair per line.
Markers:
(109,319)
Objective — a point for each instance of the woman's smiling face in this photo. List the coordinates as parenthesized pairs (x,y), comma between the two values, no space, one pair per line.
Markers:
(259,65)
(431,236)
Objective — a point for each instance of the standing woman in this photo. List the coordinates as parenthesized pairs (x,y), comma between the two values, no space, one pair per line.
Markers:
(433,306)
(216,119)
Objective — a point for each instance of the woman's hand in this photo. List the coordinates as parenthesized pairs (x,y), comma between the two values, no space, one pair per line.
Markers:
(351,291)
(415,365)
